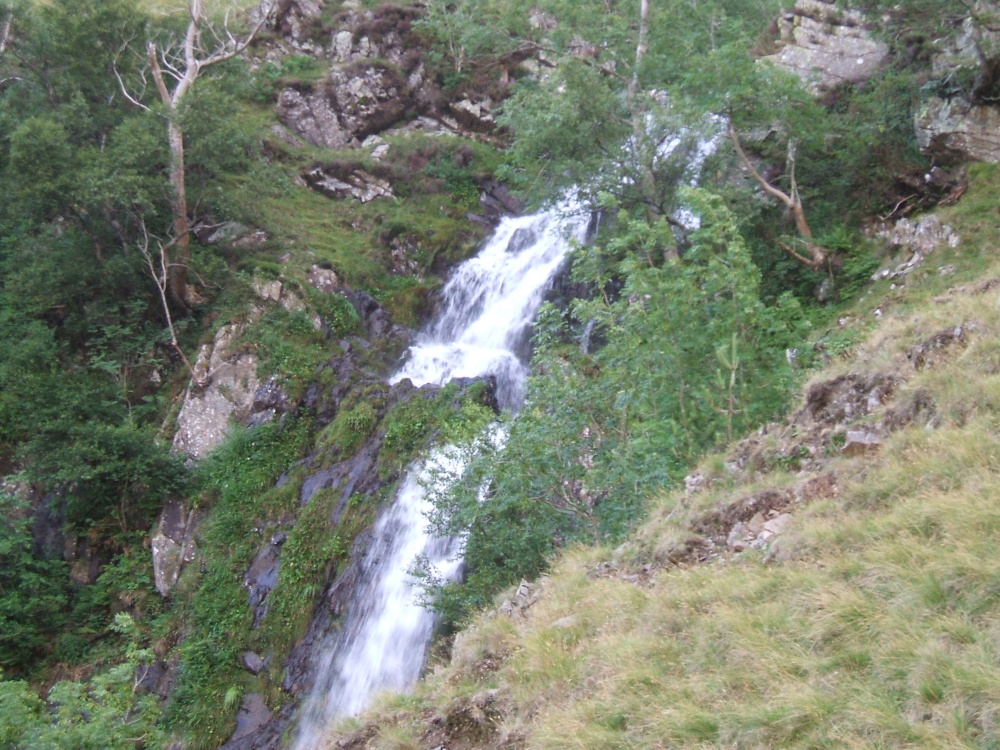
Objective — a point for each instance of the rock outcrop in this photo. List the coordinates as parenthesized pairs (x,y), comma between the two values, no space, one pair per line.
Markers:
(223,389)
(173,544)
(377,83)
(376,79)
(956,129)
(827,46)
(357,184)
(961,121)
(920,238)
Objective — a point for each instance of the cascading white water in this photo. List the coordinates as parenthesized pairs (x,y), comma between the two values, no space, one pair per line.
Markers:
(488,307)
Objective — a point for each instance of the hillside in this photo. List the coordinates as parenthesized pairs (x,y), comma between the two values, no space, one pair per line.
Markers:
(829,581)
(676,318)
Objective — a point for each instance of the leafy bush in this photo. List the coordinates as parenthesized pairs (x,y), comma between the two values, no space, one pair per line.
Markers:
(692,357)
(34,592)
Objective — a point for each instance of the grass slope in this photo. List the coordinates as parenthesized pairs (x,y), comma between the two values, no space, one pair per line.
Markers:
(872,621)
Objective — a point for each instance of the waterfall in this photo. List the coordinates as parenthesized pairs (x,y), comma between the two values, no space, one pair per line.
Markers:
(487,309)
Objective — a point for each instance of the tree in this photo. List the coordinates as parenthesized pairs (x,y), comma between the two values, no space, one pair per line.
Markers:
(174,69)
(109,712)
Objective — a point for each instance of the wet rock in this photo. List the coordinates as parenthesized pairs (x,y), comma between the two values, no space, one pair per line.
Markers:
(148,676)
(262,577)
(46,520)
(270,396)
(301,666)
(85,561)
(253,714)
(826,46)
(173,544)
(253,662)
(497,199)
(355,475)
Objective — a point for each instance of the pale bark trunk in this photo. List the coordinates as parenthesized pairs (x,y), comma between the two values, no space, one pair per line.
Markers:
(792,200)
(177,276)
(5,33)
(639,126)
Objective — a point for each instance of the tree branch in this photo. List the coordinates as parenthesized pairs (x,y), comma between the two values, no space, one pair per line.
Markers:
(134,100)
(764,184)
(161,279)
(154,65)
(793,201)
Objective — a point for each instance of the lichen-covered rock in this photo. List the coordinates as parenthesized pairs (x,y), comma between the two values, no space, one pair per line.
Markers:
(323,279)
(173,544)
(252,716)
(369,97)
(920,237)
(312,116)
(357,184)
(955,129)
(262,576)
(223,390)
(826,46)
(293,18)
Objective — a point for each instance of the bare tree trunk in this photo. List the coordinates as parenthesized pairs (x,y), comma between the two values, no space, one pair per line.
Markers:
(177,277)
(5,31)
(640,133)
(817,255)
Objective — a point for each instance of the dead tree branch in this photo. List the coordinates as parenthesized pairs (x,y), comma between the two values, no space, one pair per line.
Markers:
(792,200)
(161,277)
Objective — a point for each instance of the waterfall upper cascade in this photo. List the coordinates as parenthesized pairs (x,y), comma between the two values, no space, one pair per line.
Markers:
(488,306)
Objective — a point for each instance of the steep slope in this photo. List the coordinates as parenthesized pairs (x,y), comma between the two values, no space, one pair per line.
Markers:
(830,581)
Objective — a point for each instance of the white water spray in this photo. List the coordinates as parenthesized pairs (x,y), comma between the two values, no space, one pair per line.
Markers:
(487,310)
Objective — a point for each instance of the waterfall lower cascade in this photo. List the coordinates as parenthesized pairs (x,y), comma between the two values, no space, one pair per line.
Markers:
(488,307)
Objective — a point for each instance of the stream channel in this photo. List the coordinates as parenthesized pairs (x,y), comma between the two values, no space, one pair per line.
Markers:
(485,318)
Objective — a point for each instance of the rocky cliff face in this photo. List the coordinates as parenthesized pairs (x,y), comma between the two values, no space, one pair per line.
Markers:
(377,80)
(827,46)
(960,121)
